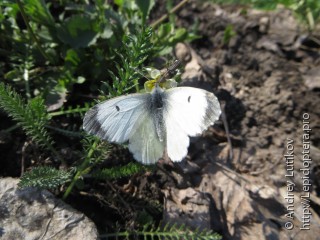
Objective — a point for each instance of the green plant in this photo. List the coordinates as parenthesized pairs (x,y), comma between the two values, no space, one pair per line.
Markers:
(136,49)
(91,147)
(44,177)
(58,56)
(169,231)
(228,34)
(307,11)
(119,171)
(61,47)
(31,116)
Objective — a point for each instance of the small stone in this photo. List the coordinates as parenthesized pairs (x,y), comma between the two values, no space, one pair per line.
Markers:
(182,52)
(32,213)
(264,23)
(312,78)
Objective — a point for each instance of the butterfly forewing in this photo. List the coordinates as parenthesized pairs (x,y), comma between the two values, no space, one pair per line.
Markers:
(127,118)
(189,111)
(116,120)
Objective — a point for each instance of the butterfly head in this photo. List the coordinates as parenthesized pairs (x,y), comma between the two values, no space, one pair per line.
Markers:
(162,79)
(151,84)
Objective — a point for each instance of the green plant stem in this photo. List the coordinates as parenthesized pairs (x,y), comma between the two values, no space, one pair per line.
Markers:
(65,132)
(33,36)
(166,235)
(56,153)
(164,17)
(69,111)
(310,18)
(84,167)
(14,127)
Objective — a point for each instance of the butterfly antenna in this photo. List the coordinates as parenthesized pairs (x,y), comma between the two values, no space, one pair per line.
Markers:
(174,66)
(171,70)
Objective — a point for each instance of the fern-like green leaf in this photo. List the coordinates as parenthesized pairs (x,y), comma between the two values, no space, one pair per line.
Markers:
(119,171)
(136,49)
(98,149)
(44,177)
(32,117)
(168,232)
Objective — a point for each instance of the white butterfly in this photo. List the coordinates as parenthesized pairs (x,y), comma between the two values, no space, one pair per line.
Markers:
(154,122)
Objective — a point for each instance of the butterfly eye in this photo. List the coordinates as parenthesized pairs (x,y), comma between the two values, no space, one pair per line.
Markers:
(189,98)
(118,109)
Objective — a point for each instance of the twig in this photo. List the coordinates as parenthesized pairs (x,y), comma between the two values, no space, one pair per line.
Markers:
(118,195)
(233,172)
(23,154)
(164,17)
(315,39)
(226,127)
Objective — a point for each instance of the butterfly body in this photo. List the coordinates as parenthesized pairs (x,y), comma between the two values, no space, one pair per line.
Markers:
(157,108)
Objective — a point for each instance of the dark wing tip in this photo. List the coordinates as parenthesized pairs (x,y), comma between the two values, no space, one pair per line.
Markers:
(213,110)
(91,123)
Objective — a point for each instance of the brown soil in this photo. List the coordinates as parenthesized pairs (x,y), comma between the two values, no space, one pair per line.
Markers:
(267,78)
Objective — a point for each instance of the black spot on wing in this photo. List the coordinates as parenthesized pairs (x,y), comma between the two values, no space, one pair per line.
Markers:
(213,109)
(189,98)
(118,109)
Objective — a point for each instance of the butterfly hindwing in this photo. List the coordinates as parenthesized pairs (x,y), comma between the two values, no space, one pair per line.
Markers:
(189,111)
(145,144)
